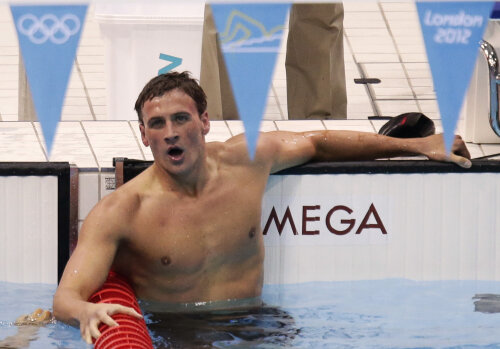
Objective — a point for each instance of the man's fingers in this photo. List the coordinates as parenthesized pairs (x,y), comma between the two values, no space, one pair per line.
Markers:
(460,161)
(46,316)
(102,314)
(463,151)
(37,317)
(125,310)
(108,320)
(465,163)
(460,148)
(94,331)
(21,320)
(86,335)
(37,312)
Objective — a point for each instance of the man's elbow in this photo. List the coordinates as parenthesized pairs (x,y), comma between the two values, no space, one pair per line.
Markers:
(56,306)
(60,308)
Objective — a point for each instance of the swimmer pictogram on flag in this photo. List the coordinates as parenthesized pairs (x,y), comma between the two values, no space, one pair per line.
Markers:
(452,31)
(48,39)
(250,38)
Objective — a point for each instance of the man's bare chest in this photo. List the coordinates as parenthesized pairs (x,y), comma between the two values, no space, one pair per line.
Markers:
(190,234)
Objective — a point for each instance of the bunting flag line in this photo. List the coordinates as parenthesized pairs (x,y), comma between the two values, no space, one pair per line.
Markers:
(452,31)
(48,38)
(250,38)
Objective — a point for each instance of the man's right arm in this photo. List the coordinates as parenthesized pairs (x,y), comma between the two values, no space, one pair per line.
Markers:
(88,268)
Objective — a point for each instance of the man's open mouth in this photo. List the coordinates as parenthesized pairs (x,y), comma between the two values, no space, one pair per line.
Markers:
(175,153)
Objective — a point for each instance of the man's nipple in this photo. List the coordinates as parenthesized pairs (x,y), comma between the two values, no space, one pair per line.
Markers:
(251,234)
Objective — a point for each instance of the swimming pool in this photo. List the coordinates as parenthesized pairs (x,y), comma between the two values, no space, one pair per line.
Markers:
(391,313)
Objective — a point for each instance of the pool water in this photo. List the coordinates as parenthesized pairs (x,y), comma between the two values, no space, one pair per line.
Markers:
(395,313)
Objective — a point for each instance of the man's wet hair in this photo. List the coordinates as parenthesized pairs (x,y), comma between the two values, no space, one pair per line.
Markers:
(164,83)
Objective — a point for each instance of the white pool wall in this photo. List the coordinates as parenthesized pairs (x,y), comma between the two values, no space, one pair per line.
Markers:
(28,229)
(440,226)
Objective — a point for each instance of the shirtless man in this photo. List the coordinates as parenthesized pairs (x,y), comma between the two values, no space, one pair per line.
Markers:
(188,228)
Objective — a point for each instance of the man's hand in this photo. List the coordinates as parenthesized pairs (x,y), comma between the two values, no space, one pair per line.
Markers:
(28,326)
(94,314)
(37,318)
(434,149)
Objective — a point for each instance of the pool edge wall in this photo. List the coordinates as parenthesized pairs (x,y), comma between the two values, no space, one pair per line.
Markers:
(382,219)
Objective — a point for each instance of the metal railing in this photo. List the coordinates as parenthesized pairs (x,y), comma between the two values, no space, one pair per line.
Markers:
(494,79)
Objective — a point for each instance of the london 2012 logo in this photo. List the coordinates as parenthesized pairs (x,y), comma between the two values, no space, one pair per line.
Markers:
(57,30)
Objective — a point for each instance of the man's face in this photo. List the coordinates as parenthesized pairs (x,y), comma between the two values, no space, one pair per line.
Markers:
(175,131)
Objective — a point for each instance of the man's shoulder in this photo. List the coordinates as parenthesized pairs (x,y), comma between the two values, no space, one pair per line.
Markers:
(235,151)
(227,155)
(125,199)
(220,152)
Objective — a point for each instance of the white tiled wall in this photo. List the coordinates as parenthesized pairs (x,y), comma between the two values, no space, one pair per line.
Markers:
(9,63)
(20,142)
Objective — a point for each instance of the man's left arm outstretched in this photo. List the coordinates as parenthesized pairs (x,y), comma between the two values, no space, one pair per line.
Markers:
(288,149)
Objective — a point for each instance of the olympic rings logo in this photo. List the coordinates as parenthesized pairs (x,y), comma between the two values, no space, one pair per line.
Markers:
(48,27)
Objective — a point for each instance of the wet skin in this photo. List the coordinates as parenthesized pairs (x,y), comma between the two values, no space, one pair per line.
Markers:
(185,235)
(188,228)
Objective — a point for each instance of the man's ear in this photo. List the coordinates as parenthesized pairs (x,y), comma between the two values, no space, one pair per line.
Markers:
(206,122)
(143,134)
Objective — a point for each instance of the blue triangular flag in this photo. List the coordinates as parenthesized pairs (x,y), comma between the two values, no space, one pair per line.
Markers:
(48,38)
(452,31)
(250,38)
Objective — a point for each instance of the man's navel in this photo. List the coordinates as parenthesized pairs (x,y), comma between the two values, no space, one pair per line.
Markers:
(165,260)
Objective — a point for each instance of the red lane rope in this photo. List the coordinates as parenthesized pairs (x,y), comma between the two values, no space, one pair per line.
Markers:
(131,332)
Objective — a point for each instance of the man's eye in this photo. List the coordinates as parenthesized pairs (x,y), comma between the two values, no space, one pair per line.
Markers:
(181,117)
(156,123)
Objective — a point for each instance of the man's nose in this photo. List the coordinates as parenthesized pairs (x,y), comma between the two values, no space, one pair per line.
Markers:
(171,134)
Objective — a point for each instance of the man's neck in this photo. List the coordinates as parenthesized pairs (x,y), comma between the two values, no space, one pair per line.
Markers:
(191,184)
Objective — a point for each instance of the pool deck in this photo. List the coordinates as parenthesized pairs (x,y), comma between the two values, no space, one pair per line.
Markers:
(94,144)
